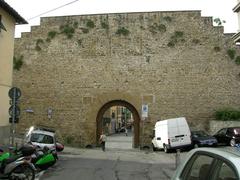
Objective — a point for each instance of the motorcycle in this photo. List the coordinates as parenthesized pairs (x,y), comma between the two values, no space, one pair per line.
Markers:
(26,162)
(44,158)
(17,165)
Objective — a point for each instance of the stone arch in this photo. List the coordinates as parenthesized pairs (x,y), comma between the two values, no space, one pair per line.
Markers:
(134,112)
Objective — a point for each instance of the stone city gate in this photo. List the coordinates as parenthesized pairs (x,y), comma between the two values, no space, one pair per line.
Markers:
(136,117)
(74,67)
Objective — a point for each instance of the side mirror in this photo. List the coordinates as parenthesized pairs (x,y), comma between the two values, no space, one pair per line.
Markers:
(59,147)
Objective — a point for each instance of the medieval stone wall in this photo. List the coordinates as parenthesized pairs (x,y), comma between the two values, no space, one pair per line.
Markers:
(176,62)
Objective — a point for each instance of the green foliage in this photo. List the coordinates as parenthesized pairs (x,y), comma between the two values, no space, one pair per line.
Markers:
(38,48)
(175,38)
(228,114)
(17,62)
(167,18)
(237,60)
(90,24)
(178,34)
(157,27)
(48,40)
(231,53)
(38,42)
(171,44)
(52,34)
(122,31)
(218,21)
(75,24)
(104,25)
(67,30)
(217,49)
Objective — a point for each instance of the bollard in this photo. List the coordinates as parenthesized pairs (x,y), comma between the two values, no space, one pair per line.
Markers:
(178,157)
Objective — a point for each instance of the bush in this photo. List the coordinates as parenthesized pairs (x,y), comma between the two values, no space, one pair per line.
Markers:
(122,31)
(227,115)
(231,53)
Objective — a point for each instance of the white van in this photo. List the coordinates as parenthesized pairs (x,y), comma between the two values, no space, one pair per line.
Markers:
(171,134)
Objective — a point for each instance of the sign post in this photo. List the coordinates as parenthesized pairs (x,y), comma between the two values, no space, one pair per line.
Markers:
(144,111)
(14,111)
(144,117)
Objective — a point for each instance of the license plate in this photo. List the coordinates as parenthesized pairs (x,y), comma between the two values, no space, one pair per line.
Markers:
(175,140)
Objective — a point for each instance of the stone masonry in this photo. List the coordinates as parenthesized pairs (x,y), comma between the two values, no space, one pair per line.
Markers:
(176,62)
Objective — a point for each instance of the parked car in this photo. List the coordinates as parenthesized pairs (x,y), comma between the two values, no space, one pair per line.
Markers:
(201,139)
(228,136)
(43,137)
(171,134)
(210,164)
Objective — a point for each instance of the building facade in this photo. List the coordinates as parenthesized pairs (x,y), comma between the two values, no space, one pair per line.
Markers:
(236,9)
(8,19)
(77,67)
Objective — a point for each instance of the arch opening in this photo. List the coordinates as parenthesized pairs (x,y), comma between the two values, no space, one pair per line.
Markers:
(126,117)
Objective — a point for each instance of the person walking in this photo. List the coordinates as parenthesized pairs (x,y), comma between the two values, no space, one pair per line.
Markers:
(102,140)
(126,131)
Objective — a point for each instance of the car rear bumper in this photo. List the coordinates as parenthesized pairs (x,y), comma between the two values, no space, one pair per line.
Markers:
(179,147)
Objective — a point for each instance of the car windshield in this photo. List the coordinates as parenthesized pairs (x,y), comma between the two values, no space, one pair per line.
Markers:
(42,138)
(199,134)
(236,131)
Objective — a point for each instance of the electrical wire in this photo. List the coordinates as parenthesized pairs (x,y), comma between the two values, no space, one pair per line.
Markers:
(52,10)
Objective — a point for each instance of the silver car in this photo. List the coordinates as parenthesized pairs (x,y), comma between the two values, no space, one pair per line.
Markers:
(210,164)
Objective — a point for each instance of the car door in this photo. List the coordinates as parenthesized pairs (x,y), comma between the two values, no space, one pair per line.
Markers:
(221,135)
(225,170)
(199,167)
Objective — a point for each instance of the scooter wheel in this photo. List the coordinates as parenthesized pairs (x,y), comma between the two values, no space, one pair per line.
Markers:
(22,172)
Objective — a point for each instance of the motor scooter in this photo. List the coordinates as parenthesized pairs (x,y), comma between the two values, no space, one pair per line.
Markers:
(44,158)
(17,165)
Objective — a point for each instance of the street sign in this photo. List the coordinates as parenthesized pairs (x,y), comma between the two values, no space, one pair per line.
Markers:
(16,112)
(17,93)
(16,120)
(144,111)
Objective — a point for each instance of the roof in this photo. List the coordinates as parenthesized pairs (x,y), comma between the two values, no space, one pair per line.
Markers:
(226,152)
(42,132)
(19,19)
(237,8)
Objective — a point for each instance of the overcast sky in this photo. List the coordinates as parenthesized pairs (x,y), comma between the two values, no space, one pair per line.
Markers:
(30,8)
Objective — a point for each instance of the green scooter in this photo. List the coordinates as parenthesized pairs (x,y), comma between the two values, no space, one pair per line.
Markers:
(25,162)
(44,158)
(17,164)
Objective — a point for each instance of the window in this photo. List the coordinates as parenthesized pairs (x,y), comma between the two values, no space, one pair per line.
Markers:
(236,131)
(222,131)
(198,168)
(226,172)
(42,138)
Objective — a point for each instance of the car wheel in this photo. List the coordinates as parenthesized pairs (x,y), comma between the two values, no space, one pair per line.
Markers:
(166,150)
(196,146)
(232,142)
(153,147)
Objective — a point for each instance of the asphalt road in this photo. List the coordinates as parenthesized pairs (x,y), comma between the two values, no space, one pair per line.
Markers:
(112,165)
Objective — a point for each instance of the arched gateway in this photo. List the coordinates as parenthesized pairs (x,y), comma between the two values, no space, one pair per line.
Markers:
(176,62)
(129,106)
